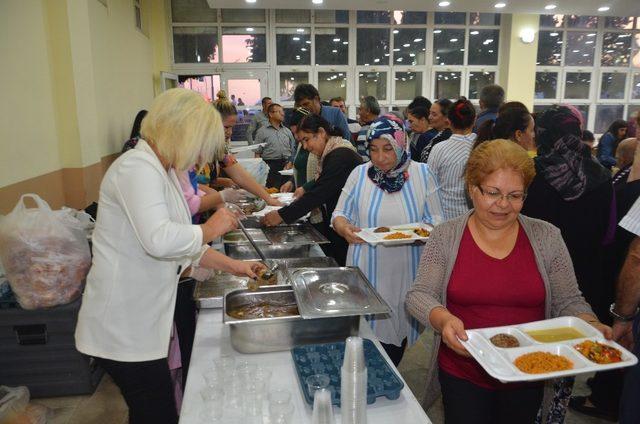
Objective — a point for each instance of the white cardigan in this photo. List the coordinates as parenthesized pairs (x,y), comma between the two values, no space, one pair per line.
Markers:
(142,241)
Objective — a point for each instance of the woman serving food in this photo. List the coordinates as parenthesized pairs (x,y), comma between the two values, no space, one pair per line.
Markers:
(492,267)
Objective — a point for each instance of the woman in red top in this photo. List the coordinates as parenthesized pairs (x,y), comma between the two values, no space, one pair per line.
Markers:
(497,275)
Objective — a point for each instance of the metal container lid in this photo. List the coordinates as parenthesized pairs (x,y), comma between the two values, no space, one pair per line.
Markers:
(332,292)
(298,233)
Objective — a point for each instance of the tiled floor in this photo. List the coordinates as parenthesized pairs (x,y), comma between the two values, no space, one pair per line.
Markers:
(106,406)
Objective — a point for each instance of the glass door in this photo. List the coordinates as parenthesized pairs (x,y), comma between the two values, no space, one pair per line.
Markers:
(245,89)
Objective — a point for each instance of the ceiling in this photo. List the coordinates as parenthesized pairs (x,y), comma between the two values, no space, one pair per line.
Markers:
(579,7)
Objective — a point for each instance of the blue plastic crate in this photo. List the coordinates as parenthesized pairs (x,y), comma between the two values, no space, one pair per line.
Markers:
(327,359)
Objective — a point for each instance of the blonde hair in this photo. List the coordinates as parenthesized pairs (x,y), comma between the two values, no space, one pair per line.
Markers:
(185,129)
(497,154)
(223,105)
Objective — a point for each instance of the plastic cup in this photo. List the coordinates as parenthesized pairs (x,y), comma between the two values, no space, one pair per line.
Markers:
(246,372)
(322,408)
(224,363)
(213,379)
(316,382)
(264,375)
(279,401)
(253,394)
(213,399)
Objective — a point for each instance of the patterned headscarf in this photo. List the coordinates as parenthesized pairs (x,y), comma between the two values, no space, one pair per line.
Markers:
(563,160)
(390,127)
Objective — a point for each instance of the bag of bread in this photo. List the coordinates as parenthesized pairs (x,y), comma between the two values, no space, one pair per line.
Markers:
(45,254)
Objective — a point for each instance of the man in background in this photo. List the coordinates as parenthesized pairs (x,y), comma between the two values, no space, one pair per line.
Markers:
(491,98)
(339,103)
(369,112)
(307,96)
(260,119)
(280,145)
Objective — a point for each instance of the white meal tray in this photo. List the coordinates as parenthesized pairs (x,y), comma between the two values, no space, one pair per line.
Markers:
(246,148)
(499,362)
(373,238)
(284,198)
(286,172)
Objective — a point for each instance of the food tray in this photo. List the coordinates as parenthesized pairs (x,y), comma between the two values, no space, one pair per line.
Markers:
(327,359)
(299,233)
(499,362)
(286,172)
(284,198)
(373,238)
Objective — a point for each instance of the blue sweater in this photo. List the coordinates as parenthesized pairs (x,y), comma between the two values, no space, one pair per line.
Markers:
(607,150)
(335,117)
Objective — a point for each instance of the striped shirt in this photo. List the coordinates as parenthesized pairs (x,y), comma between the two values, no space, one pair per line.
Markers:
(447,161)
(631,221)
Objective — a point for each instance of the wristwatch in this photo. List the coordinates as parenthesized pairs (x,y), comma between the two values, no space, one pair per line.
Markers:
(623,318)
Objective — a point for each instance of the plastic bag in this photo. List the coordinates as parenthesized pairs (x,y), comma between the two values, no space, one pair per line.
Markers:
(45,254)
(257,168)
(13,400)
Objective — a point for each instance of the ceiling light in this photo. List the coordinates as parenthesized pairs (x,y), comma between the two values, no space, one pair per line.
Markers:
(376,60)
(499,5)
(395,31)
(399,59)
(592,34)
(296,38)
(336,40)
(250,1)
(396,50)
(345,42)
(406,45)
(437,31)
(444,3)
(334,51)
(417,40)
(474,32)
(553,34)
(588,42)
(293,79)
(550,7)
(316,1)
(250,29)
(299,30)
(303,49)
(603,9)
(453,40)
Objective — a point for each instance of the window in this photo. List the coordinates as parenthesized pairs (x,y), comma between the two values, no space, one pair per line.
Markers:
(408,85)
(409,46)
(195,45)
(546,85)
(332,46)
(293,46)
(477,81)
(373,17)
(244,45)
(448,85)
(402,17)
(332,16)
(577,85)
(450,18)
(490,19)
(332,84)
(591,62)
(293,16)
(448,46)
(483,47)
(137,10)
(243,15)
(193,11)
(288,83)
(373,84)
(550,48)
(372,46)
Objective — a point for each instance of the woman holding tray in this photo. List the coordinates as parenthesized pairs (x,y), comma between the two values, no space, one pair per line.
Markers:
(390,190)
(336,159)
(492,267)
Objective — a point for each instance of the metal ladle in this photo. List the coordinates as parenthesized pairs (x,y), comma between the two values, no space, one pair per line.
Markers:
(270,270)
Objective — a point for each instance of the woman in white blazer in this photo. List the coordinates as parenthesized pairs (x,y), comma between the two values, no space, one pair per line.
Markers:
(143,241)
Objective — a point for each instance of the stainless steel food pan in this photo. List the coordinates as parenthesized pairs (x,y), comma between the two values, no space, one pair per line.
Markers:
(282,333)
(272,251)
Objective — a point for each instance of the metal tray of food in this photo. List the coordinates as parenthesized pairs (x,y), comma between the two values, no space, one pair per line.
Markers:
(331,292)
(210,293)
(267,320)
(299,233)
(237,237)
(271,251)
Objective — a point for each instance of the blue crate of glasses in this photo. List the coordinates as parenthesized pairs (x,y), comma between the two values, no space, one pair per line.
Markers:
(327,359)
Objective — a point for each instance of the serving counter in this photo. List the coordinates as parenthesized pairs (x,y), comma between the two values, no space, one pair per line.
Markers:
(212,340)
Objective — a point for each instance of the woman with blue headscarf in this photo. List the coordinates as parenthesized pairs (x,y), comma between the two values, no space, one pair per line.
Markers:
(390,190)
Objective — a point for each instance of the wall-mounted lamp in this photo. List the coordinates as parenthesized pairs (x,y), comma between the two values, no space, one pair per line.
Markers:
(527,35)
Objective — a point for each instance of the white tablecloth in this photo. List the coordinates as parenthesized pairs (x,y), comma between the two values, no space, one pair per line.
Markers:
(212,340)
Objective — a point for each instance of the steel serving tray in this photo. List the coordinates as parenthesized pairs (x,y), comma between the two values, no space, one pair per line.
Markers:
(331,292)
(257,335)
(298,233)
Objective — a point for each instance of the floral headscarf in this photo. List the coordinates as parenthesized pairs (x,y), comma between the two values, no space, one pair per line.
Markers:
(563,160)
(390,127)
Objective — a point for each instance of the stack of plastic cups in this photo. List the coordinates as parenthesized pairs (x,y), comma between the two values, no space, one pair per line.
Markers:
(322,409)
(353,396)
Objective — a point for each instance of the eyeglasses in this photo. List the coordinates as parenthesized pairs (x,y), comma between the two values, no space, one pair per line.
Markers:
(494,195)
